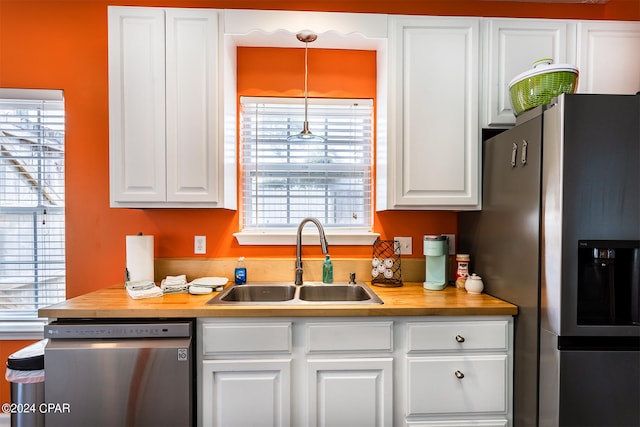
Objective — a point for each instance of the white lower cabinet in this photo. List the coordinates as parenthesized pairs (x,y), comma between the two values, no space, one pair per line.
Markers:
(245,373)
(459,372)
(334,372)
(350,392)
(246,392)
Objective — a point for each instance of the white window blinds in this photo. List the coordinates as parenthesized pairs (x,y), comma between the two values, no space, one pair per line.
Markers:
(284,182)
(32,225)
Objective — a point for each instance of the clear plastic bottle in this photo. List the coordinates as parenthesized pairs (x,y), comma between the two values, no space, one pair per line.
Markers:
(240,273)
(327,270)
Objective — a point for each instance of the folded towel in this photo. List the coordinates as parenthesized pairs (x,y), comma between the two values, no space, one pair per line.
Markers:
(174,289)
(138,290)
(175,280)
(139,284)
(174,284)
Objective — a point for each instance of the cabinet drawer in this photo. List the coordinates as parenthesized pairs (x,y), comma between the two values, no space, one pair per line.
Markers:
(447,385)
(350,336)
(501,422)
(246,337)
(483,335)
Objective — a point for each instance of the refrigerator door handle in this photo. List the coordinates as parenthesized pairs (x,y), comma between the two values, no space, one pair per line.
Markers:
(523,159)
(514,154)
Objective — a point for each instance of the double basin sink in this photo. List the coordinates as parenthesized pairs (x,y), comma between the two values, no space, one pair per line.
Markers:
(288,294)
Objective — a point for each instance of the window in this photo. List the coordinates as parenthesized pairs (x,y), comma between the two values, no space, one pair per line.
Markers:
(284,182)
(32,226)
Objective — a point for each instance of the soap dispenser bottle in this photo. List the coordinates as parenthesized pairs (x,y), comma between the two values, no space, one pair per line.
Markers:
(327,270)
(240,273)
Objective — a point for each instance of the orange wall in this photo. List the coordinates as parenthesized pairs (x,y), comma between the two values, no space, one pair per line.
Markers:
(332,73)
(62,44)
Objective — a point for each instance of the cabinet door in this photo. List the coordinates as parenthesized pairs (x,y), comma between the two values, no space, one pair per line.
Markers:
(609,57)
(246,393)
(192,116)
(136,104)
(511,46)
(350,392)
(434,134)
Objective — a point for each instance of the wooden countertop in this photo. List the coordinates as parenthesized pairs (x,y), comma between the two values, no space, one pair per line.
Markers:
(411,299)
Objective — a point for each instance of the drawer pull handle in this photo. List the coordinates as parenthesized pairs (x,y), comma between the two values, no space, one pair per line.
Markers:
(459,375)
(459,338)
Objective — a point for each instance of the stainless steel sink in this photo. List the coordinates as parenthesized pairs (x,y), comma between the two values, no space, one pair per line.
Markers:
(334,293)
(263,293)
(288,294)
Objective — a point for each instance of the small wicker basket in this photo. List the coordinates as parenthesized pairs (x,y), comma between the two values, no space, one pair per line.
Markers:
(385,264)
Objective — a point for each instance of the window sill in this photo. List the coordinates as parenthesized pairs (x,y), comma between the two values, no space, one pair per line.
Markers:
(288,237)
(17,330)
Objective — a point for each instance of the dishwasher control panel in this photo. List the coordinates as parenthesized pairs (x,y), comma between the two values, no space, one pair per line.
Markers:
(81,330)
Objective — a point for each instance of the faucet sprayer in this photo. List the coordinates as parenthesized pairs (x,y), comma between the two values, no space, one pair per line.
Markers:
(323,245)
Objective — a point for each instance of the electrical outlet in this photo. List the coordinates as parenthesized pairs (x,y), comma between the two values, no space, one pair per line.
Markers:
(200,245)
(406,245)
(452,243)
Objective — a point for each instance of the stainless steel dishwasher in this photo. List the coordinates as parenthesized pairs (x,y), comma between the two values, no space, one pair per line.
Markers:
(119,373)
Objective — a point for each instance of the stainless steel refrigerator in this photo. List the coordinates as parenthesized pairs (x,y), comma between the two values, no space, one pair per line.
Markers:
(558,235)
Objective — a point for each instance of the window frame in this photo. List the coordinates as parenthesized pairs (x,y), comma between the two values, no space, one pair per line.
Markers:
(285,235)
(26,324)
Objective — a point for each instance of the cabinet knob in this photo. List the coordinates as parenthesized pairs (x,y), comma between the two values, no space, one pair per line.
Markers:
(459,338)
(459,374)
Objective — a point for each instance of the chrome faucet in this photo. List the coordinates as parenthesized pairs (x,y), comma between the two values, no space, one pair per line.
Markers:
(323,244)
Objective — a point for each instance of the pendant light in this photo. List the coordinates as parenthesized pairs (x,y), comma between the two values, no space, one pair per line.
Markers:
(305,134)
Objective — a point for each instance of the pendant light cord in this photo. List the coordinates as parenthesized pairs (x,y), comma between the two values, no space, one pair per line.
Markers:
(306,134)
(306,79)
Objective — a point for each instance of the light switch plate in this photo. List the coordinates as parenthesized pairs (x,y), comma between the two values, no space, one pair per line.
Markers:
(406,245)
(200,245)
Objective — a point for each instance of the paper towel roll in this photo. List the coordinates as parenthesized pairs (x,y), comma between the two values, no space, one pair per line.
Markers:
(140,258)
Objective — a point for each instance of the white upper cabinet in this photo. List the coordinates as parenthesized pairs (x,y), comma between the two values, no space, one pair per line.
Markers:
(609,57)
(164,118)
(192,105)
(510,46)
(136,104)
(607,54)
(431,158)
(172,94)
